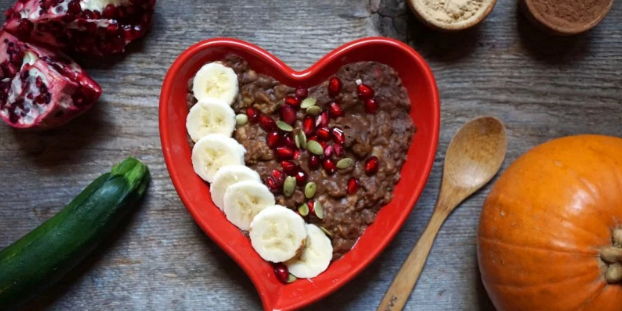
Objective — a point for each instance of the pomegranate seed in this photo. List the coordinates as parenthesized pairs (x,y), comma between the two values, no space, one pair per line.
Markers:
(296,154)
(329,165)
(285,153)
(252,115)
(311,205)
(338,135)
(302,93)
(322,119)
(353,185)
(301,178)
(334,86)
(281,272)
(365,92)
(335,110)
(308,126)
(314,162)
(273,139)
(328,151)
(323,133)
(272,185)
(323,144)
(338,148)
(371,166)
(288,114)
(25,27)
(312,137)
(279,177)
(292,101)
(110,11)
(371,105)
(267,124)
(290,168)
(288,141)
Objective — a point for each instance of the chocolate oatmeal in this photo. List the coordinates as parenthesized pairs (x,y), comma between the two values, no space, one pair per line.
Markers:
(362,116)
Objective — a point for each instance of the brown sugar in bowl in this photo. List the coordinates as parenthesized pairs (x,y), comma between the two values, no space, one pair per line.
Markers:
(566,17)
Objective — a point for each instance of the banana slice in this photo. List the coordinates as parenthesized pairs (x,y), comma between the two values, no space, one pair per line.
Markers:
(216,80)
(277,233)
(227,176)
(315,257)
(210,116)
(244,200)
(213,152)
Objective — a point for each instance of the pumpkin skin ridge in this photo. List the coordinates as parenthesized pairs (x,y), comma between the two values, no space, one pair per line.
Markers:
(598,195)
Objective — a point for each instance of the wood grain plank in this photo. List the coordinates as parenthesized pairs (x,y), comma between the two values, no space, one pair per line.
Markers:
(542,87)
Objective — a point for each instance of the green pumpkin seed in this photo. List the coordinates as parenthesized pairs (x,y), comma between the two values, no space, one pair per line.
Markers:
(297,141)
(344,163)
(291,278)
(315,147)
(302,139)
(241,119)
(310,189)
(303,210)
(284,126)
(314,110)
(308,102)
(330,235)
(318,209)
(289,186)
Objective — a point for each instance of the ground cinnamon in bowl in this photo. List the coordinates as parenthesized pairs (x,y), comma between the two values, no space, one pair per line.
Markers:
(567,17)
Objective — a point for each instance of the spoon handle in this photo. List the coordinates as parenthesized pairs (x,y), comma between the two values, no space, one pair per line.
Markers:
(405,280)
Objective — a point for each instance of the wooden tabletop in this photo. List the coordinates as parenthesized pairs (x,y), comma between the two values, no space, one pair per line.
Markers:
(541,87)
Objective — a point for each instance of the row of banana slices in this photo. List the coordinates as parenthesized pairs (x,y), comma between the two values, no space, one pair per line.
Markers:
(277,233)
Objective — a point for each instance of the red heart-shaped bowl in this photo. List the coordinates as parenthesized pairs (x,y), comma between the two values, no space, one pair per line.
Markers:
(419,82)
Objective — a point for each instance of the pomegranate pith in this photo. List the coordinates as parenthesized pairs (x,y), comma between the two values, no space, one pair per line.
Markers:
(334,86)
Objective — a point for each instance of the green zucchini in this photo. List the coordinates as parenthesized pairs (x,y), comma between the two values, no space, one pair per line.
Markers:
(43,256)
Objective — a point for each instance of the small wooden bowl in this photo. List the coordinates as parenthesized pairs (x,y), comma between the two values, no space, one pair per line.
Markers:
(419,9)
(536,17)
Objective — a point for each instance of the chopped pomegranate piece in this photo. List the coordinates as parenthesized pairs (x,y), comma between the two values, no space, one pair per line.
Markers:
(40,88)
(89,27)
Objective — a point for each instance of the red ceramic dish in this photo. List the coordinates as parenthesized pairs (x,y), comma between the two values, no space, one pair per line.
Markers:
(421,86)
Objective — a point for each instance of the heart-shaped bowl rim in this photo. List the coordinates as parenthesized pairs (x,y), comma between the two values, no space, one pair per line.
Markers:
(421,87)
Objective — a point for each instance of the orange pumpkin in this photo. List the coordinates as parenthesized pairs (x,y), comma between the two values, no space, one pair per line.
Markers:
(550,235)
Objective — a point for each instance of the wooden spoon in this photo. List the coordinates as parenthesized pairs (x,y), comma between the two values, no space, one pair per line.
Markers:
(473,158)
